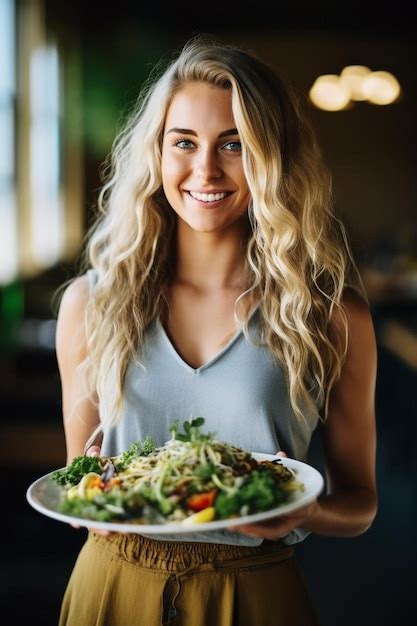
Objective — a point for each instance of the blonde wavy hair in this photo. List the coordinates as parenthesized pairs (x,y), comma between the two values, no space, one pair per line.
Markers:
(297,259)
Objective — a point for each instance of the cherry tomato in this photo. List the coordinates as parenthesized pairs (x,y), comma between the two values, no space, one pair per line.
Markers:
(200,501)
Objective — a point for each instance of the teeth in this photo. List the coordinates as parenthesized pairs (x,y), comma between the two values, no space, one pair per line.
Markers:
(208,197)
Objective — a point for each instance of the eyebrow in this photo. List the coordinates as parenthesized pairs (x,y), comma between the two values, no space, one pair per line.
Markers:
(188,131)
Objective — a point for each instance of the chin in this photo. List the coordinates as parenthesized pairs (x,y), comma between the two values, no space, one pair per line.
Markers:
(202,228)
(210,225)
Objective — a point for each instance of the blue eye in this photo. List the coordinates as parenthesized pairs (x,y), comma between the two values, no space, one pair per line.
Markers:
(184,141)
(233,146)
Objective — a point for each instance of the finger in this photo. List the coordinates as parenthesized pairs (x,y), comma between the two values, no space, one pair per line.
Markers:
(282,453)
(75,525)
(93,451)
(272,523)
(107,533)
(263,532)
(102,533)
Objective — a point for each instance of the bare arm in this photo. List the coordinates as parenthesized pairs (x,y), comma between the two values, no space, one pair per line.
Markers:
(80,413)
(349,440)
(349,435)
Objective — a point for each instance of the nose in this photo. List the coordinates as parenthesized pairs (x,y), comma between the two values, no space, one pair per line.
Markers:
(207,165)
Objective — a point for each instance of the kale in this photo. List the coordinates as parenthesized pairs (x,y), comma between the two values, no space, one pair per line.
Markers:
(79,466)
(259,493)
(227,505)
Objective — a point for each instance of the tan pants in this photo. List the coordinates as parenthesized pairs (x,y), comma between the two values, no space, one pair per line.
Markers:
(130,580)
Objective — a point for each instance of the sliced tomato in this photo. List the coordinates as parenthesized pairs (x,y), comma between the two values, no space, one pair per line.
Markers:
(200,501)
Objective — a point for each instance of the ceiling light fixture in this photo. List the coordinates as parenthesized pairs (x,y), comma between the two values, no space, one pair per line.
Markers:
(356,83)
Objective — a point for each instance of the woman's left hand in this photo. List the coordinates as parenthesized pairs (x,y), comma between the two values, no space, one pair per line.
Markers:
(278,527)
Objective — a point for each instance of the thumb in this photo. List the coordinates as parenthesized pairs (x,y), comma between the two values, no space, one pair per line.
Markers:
(93,451)
(282,453)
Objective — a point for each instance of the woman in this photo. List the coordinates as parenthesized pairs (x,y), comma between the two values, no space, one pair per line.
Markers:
(218,282)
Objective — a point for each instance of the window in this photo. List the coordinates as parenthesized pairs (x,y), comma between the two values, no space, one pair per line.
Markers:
(8,210)
(41,215)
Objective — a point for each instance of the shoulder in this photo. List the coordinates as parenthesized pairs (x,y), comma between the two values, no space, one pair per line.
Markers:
(354,304)
(355,312)
(359,331)
(76,293)
(359,318)
(71,315)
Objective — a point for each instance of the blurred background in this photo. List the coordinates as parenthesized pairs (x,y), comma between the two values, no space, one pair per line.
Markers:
(69,74)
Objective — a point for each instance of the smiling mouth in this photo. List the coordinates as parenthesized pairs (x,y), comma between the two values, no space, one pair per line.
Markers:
(209,197)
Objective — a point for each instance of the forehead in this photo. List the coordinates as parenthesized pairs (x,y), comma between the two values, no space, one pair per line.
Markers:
(199,106)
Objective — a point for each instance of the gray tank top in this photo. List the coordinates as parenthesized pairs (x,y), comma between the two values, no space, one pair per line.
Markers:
(241,392)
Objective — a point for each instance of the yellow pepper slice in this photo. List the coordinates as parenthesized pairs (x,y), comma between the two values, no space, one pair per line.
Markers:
(206,515)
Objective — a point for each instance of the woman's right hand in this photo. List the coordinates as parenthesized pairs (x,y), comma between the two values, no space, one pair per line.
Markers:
(93,451)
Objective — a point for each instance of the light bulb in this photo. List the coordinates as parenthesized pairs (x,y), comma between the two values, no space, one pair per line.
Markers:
(329,93)
(381,88)
(353,77)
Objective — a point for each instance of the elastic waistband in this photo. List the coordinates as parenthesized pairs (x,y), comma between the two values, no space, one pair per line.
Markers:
(180,555)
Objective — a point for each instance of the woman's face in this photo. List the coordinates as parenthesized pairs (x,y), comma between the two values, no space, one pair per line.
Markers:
(202,169)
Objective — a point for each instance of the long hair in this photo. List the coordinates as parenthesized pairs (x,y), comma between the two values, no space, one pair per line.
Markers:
(297,256)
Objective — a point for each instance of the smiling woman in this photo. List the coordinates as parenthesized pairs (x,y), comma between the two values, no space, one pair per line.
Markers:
(218,281)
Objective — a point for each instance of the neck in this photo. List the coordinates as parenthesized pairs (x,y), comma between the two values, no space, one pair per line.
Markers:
(210,261)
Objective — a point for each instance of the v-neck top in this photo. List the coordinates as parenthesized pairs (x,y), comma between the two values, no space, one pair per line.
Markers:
(210,362)
(241,392)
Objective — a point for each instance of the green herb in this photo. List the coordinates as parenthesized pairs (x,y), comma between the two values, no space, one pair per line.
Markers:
(79,466)
(148,446)
(227,505)
(158,500)
(96,509)
(79,507)
(205,471)
(192,431)
(260,493)
(136,449)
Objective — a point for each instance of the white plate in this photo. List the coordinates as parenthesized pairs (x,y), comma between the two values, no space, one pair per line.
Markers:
(44,496)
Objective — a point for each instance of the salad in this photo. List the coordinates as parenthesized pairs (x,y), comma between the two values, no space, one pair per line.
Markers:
(193,478)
